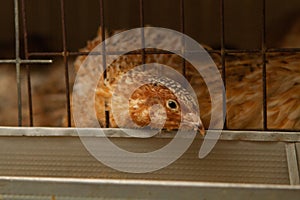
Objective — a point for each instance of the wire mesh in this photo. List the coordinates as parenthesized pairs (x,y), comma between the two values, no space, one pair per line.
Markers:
(223,51)
(18,61)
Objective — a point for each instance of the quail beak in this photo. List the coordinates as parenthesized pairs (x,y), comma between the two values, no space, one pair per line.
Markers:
(194,121)
(201,129)
(198,127)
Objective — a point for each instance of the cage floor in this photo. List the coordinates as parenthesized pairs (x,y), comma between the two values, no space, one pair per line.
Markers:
(230,161)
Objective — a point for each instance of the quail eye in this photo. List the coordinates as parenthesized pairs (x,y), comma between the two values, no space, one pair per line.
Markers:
(172,104)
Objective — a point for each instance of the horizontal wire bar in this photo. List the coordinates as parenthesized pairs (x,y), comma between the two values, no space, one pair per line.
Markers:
(228,51)
(46,54)
(242,50)
(276,50)
(14,61)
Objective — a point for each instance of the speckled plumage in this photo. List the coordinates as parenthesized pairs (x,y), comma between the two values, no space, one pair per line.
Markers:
(157,90)
(243,86)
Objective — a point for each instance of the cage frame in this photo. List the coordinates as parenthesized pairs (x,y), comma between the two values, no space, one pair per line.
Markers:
(71,187)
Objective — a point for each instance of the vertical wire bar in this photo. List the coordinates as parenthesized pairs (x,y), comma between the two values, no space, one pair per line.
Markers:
(25,35)
(264,70)
(102,25)
(223,54)
(142,25)
(182,29)
(65,55)
(17,54)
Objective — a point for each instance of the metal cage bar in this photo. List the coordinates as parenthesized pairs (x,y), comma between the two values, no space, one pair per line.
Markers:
(65,56)
(264,61)
(223,56)
(25,35)
(142,24)
(17,54)
(182,30)
(102,25)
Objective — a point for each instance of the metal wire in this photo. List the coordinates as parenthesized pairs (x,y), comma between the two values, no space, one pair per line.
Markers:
(17,54)
(158,51)
(13,61)
(65,55)
(27,66)
(102,25)
(182,29)
(142,24)
(264,69)
(223,55)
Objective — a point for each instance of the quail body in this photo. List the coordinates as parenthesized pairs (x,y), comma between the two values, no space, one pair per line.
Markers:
(244,87)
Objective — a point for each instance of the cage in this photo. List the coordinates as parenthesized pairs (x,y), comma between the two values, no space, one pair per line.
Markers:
(257,155)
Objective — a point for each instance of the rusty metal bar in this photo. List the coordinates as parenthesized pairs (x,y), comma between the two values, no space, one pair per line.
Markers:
(182,29)
(288,50)
(25,35)
(46,54)
(142,25)
(223,56)
(233,51)
(102,25)
(264,69)
(149,51)
(65,55)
